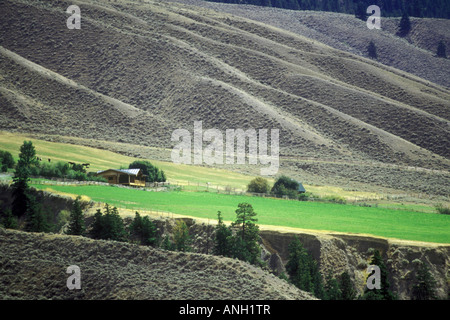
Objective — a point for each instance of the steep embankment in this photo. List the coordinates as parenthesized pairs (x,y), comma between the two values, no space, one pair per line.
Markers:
(33,266)
(339,252)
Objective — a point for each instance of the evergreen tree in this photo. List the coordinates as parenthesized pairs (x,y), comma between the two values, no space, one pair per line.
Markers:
(152,173)
(372,50)
(303,270)
(143,230)
(113,226)
(223,245)
(76,220)
(332,290)
(244,218)
(167,244)
(405,25)
(346,287)
(27,160)
(20,189)
(384,292)
(108,226)
(360,11)
(247,236)
(425,286)
(97,226)
(417,8)
(35,220)
(150,235)
(317,279)
(441,50)
(8,220)
(181,238)
(285,186)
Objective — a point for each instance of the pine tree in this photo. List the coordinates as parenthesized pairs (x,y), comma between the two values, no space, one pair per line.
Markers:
(303,270)
(149,232)
(384,293)
(167,244)
(20,189)
(360,11)
(405,25)
(332,290)
(108,226)
(35,220)
(245,243)
(425,286)
(143,231)
(76,224)
(8,220)
(317,279)
(113,226)
(346,286)
(441,50)
(97,226)
(372,50)
(222,246)
(181,238)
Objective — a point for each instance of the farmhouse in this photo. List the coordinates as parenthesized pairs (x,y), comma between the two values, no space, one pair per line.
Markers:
(127,177)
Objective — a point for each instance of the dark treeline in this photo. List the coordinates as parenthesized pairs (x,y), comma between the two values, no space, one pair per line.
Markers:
(389,8)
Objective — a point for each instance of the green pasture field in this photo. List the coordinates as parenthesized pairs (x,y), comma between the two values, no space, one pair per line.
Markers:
(399,224)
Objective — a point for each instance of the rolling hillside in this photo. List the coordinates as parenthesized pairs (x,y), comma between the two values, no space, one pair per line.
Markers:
(34,267)
(137,70)
(415,53)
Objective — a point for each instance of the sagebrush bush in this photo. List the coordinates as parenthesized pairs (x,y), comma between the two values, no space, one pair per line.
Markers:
(440,208)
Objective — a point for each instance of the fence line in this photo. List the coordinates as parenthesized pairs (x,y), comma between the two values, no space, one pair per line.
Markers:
(186,185)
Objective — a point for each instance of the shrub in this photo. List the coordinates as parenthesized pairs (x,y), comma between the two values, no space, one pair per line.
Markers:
(285,186)
(258,185)
(6,161)
(304,196)
(441,50)
(335,199)
(440,208)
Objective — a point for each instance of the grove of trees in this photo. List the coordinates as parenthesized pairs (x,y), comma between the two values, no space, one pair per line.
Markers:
(389,8)
(240,240)
(153,174)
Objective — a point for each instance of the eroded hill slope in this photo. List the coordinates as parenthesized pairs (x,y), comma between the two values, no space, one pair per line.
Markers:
(33,266)
(136,71)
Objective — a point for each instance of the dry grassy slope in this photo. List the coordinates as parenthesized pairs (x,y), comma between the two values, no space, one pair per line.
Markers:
(33,266)
(166,65)
(347,33)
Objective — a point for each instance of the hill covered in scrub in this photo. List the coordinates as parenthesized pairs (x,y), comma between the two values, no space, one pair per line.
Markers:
(33,266)
(136,71)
